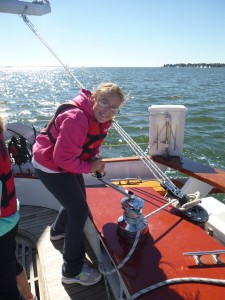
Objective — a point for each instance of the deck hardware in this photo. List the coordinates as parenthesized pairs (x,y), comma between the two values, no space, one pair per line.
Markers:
(128,180)
(188,204)
(197,256)
(210,231)
(132,220)
(173,190)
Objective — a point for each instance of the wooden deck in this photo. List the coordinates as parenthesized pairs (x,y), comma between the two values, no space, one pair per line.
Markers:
(43,258)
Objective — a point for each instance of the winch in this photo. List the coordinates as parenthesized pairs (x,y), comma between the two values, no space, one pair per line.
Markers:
(132,220)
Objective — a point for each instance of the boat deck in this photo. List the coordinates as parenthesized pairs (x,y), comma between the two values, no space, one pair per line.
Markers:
(160,257)
(43,258)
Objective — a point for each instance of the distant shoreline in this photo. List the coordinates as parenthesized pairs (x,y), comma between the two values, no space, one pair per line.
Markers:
(189,65)
(201,65)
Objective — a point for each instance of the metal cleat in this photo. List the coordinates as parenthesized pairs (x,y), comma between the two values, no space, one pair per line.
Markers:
(197,256)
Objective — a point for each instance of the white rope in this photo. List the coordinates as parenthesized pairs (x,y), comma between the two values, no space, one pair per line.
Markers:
(193,200)
(161,208)
(115,269)
(31,26)
(178,281)
(107,288)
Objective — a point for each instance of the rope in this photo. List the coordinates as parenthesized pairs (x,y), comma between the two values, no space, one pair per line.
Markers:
(107,288)
(161,208)
(177,281)
(115,269)
(122,263)
(121,145)
(193,200)
(31,26)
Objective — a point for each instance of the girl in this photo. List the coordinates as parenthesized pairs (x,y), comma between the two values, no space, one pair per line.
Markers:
(12,273)
(66,148)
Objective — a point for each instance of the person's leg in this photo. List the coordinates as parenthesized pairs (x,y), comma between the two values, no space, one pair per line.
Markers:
(22,282)
(60,222)
(58,227)
(8,283)
(69,190)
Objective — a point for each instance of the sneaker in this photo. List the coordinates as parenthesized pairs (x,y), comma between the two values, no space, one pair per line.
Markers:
(55,236)
(88,276)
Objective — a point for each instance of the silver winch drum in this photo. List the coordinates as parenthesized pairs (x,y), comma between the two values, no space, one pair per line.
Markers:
(132,219)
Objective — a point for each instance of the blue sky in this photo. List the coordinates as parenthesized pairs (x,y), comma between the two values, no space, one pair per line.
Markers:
(139,33)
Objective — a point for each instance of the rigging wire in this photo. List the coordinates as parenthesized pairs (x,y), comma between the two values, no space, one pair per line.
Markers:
(140,153)
(31,26)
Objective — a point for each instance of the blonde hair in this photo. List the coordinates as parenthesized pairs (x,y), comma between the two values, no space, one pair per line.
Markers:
(109,87)
(2,125)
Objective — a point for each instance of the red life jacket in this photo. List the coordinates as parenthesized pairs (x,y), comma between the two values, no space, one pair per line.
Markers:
(8,198)
(95,135)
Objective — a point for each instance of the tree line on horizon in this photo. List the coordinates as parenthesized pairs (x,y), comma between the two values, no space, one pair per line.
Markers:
(203,65)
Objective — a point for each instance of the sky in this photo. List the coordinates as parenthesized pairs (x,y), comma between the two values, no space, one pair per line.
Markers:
(117,33)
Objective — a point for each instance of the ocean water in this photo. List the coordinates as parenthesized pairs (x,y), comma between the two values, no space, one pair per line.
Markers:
(31,95)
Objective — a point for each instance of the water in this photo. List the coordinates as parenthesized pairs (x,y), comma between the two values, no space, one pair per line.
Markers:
(31,95)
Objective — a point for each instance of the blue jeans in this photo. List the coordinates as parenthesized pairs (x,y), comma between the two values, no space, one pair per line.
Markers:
(69,190)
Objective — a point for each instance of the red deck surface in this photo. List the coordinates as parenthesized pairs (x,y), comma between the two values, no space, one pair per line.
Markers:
(160,257)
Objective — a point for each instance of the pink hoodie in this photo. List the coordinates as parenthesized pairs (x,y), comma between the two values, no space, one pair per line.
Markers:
(72,128)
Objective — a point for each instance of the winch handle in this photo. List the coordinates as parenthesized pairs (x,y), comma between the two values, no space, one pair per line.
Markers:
(99,175)
(129,194)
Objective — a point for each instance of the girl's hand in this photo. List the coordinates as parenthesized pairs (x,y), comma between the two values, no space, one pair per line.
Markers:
(98,165)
